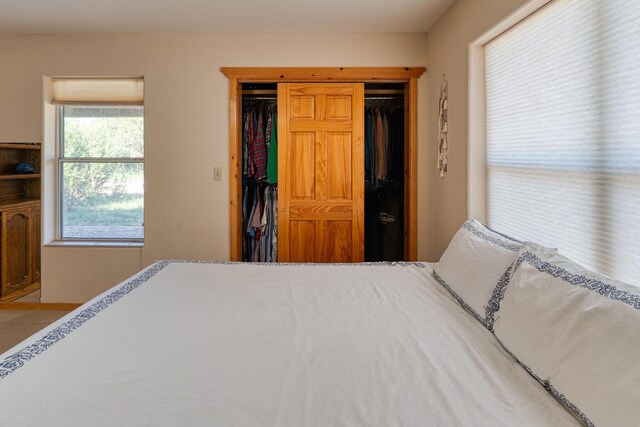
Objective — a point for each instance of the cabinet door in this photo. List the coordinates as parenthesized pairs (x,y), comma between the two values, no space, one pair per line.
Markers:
(17,244)
(321,172)
(36,244)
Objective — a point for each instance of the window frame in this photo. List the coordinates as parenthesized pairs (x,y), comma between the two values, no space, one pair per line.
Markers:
(61,159)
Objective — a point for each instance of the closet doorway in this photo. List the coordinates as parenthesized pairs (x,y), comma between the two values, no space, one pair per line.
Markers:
(345,194)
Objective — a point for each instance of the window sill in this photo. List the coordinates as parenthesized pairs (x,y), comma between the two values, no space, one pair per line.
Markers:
(94,243)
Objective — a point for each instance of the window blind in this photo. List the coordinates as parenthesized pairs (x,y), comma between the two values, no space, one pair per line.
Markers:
(563,132)
(98,91)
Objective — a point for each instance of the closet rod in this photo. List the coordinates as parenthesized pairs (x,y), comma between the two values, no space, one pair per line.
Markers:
(384,92)
(366,98)
(250,98)
(250,92)
(259,92)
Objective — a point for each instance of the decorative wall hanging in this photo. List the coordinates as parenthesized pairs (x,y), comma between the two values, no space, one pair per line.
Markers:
(443,127)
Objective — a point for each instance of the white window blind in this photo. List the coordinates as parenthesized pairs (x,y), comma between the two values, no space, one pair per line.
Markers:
(563,132)
(102,91)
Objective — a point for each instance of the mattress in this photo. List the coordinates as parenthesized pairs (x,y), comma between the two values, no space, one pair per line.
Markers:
(232,344)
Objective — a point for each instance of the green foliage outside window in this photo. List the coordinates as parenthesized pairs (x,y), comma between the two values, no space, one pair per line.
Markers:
(102,199)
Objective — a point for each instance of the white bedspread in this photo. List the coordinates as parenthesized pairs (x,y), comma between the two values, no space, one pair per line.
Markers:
(203,344)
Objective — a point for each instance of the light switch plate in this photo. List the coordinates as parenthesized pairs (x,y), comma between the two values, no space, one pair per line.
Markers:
(217,173)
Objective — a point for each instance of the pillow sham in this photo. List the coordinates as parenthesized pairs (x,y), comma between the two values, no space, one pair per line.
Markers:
(577,332)
(475,262)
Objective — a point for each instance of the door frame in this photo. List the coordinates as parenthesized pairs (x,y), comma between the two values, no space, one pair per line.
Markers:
(408,75)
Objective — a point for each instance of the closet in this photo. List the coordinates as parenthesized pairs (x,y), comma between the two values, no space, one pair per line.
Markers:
(343,143)
(384,172)
(259,174)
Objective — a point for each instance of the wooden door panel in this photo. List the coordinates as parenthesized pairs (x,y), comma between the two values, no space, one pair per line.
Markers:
(339,166)
(303,241)
(302,209)
(315,89)
(334,241)
(338,107)
(321,166)
(302,107)
(303,152)
(321,177)
(304,125)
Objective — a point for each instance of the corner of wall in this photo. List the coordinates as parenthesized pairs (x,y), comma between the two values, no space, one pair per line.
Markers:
(454,47)
(49,178)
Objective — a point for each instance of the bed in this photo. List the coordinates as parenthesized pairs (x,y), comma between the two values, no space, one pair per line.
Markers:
(236,344)
(499,333)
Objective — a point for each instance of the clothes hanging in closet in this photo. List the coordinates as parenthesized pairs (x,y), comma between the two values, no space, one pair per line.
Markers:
(384,181)
(259,186)
(260,222)
(384,144)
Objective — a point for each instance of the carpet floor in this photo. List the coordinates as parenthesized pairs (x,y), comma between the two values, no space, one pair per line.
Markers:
(18,325)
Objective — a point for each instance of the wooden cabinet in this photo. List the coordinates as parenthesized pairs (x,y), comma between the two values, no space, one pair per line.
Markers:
(19,221)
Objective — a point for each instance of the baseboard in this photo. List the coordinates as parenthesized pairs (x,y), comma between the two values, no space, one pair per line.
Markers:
(21,293)
(55,306)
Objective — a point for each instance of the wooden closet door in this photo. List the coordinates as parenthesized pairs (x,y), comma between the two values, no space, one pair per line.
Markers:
(321,172)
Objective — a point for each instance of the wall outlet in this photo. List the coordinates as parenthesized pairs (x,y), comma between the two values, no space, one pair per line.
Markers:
(217,173)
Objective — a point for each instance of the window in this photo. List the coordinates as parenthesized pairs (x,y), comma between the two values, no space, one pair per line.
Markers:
(563,132)
(100,170)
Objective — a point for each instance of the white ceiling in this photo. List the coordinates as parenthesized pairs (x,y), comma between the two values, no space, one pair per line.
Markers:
(136,16)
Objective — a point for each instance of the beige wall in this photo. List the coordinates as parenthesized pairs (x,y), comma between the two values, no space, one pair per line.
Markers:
(186,130)
(448,52)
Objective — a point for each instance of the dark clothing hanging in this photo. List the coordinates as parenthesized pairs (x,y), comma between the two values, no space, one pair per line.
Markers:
(367,146)
(384,144)
(396,148)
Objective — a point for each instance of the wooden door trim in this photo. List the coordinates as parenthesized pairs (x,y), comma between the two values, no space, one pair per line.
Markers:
(239,75)
(235,170)
(411,171)
(283,182)
(322,74)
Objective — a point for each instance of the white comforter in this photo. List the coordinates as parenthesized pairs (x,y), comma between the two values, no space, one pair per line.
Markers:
(205,344)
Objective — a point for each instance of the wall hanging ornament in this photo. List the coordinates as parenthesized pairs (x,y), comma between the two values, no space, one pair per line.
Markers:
(443,127)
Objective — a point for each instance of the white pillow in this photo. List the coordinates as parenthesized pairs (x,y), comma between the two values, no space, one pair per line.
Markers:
(578,332)
(476,261)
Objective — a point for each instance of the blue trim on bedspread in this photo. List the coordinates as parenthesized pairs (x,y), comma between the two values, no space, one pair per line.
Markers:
(551,389)
(18,359)
(458,298)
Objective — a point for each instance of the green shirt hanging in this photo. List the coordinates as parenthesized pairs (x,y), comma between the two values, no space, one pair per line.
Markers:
(272,158)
